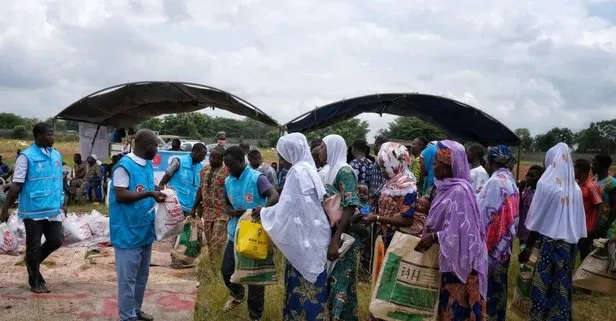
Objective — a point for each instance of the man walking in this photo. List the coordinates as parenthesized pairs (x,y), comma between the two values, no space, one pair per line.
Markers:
(131,221)
(245,189)
(38,181)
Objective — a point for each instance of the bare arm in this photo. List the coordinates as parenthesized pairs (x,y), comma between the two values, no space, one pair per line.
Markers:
(231,211)
(123,195)
(198,199)
(399,221)
(272,197)
(173,167)
(165,180)
(343,226)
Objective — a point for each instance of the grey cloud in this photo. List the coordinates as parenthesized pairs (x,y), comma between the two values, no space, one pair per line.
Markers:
(507,58)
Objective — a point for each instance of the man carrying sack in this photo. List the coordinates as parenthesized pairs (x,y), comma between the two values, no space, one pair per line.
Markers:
(182,175)
(245,189)
(131,222)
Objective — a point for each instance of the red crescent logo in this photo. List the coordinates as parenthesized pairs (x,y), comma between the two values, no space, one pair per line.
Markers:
(139,188)
(156,160)
(249,198)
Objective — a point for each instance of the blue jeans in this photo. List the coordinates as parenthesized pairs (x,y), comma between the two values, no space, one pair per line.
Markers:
(132,270)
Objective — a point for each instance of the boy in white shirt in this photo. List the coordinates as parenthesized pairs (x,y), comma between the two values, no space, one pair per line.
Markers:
(478,174)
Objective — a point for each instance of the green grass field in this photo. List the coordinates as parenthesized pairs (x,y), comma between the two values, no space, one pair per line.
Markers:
(212,293)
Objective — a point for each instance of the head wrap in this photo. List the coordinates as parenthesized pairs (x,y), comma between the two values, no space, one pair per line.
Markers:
(400,180)
(501,154)
(336,156)
(428,155)
(557,209)
(455,217)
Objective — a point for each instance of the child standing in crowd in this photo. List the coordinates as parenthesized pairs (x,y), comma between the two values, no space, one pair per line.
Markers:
(607,212)
(591,196)
(478,176)
(532,177)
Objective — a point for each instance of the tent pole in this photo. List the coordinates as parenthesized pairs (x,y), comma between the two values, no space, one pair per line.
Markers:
(94,139)
(517,175)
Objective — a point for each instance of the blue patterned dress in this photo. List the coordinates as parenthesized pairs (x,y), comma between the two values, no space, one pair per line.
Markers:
(551,292)
(305,301)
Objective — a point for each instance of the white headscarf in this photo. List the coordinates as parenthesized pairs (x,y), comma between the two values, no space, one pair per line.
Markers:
(298,224)
(336,157)
(557,210)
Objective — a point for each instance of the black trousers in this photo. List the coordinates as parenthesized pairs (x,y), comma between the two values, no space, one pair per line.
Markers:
(37,253)
(256,293)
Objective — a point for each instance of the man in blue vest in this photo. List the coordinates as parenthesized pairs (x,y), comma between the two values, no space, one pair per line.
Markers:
(131,223)
(245,189)
(182,175)
(38,182)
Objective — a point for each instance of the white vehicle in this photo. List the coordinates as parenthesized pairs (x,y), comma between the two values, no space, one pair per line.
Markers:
(185,145)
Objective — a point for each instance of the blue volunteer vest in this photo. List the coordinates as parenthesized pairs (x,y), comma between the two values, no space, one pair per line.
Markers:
(243,193)
(131,225)
(186,182)
(42,194)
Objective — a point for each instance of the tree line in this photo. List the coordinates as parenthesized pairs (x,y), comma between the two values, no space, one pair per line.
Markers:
(598,137)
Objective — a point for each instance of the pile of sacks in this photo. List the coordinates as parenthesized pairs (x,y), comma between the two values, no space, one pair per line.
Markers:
(91,229)
(79,230)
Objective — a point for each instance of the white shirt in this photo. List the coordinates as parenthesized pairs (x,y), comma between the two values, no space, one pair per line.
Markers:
(20,173)
(120,175)
(478,176)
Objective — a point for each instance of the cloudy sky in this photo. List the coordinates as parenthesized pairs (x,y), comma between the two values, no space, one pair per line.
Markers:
(534,64)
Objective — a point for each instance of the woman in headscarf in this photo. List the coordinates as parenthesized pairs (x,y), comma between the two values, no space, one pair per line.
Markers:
(341,178)
(300,229)
(398,195)
(498,202)
(427,161)
(455,224)
(557,222)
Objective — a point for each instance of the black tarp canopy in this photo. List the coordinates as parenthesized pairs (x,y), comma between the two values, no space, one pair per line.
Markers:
(460,121)
(130,104)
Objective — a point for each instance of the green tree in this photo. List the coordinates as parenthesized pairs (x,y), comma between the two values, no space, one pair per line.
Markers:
(19,132)
(556,135)
(10,120)
(155,124)
(350,130)
(526,140)
(600,136)
(409,128)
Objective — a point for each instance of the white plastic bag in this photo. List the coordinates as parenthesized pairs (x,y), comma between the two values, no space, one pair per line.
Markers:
(76,229)
(347,243)
(17,226)
(8,241)
(99,224)
(169,216)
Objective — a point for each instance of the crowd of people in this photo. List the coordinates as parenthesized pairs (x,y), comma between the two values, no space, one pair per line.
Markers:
(465,200)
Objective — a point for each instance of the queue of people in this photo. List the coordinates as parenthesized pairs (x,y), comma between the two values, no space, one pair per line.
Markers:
(439,191)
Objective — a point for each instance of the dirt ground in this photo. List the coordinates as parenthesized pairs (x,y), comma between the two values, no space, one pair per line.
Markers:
(84,287)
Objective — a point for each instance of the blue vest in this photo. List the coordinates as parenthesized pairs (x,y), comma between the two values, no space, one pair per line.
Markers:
(42,194)
(186,182)
(243,193)
(131,225)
